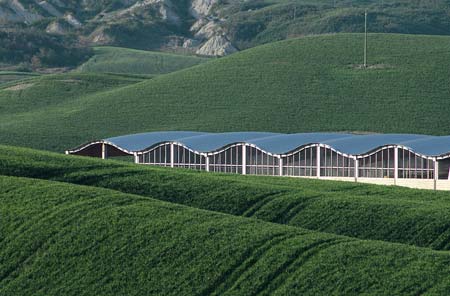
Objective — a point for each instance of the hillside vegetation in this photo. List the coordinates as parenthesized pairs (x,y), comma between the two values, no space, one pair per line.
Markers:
(8,76)
(187,25)
(32,49)
(66,239)
(250,23)
(416,217)
(123,60)
(307,84)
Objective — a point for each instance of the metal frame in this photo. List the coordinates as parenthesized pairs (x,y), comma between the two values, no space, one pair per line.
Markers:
(85,146)
(279,159)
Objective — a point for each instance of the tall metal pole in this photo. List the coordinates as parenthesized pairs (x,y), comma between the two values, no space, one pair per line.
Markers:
(365,39)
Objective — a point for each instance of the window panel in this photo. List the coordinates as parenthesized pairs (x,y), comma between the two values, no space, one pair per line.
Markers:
(413,166)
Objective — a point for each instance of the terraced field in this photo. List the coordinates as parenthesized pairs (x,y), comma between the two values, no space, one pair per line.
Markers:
(307,84)
(415,217)
(102,242)
(131,61)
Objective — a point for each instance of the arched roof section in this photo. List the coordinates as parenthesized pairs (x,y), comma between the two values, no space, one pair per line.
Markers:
(274,143)
(139,142)
(95,149)
(213,142)
(432,146)
(284,143)
(361,144)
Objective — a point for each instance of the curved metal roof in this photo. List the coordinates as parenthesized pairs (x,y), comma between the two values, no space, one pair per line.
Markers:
(360,144)
(138,142)
(274,143)
(284,143)
(214,142)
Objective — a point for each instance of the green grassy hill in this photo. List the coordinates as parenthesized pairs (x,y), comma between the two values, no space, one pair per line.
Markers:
(250,23)
(45,97)
(66,239)
(307,84)
(394,214)
(9,76)
(124,60)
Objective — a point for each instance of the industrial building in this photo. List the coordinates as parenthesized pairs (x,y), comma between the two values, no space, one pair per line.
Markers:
(417,161)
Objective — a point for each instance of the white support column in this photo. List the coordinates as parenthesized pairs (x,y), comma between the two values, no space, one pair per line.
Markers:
(244,160)
(172,155)
(207,162)
(104,151)
(136,158)
(436,172)
(318,161)
(395,165)
(280,164)
(356,169)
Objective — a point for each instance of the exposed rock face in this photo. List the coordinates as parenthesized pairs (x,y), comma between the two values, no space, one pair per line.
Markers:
(191,43)
(165,8)
(217,46)
(201,8)
(13,11)
(55,28)
(72,20)
(207,36)
(99,37)
(206,28)
(50,8)
(209,30)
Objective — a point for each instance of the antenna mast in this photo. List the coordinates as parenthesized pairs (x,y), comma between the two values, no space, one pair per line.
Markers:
(365,39)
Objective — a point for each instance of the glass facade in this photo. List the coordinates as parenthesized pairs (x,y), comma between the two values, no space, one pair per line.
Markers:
(444,169)
(185,158)
(159,156)
(260,163)
(380,164)
(227,161)
(301,163)
(334,164)
(413,166)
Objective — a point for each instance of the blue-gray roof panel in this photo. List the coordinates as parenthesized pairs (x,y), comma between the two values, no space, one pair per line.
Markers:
(431,146)
(138,142)
(283,143)
(360,144)
(213,142)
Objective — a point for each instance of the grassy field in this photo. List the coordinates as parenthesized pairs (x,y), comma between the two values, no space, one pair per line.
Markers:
(8,76)
(307,84)
(130,61)
(46,96)
(65,239)
(250,23)
(394,214)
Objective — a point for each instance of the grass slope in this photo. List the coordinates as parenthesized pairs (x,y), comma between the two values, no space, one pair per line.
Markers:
(255,22)
(8,76)
(307,84)
(416,217)
(46,97)
(124,60)
(65,239)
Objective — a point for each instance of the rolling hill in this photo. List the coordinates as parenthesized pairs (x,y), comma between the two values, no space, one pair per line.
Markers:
(59,33)
(415,217)
(65,239)
(8,76)
(307,84)
(130,61)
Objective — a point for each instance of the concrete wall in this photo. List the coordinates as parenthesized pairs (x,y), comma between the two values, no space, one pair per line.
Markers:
(417,183)
(411,183)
